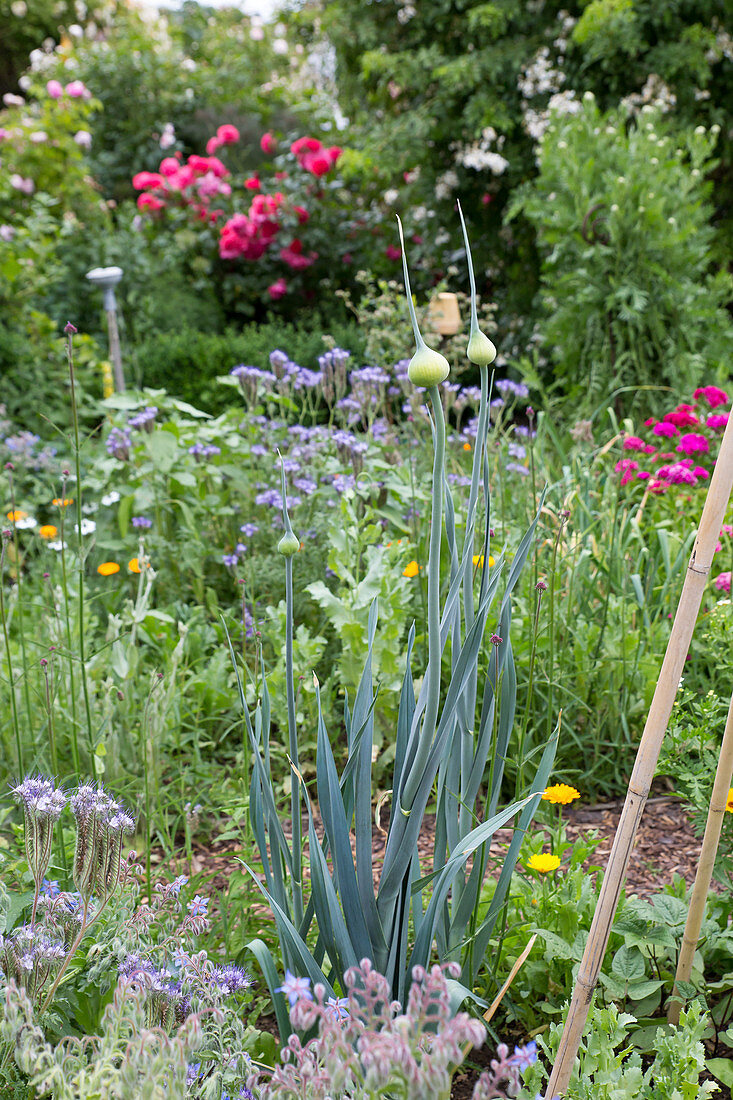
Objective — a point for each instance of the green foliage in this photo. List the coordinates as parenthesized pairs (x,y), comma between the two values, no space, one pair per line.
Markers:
(187,362)
(607,1069)
(628,297)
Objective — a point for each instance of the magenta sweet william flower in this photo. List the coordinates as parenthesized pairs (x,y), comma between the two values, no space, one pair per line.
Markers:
(682,417)
(717,421)
(277,289)
(55,89)
(722,582)
(692,443)
(712,394)
(664,428)
(626,465)
(268,144)
(634,443)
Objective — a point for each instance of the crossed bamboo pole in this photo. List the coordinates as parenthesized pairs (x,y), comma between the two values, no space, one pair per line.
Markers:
(698,569)
(718,802)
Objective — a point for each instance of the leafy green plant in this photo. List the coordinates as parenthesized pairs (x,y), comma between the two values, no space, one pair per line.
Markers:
(625,235)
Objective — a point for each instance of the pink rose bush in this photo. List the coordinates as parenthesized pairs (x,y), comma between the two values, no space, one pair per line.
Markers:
(274,221)
(676,455)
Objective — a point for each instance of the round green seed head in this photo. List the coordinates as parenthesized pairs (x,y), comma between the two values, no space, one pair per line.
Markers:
(427,367)
(480,349)
(288,545)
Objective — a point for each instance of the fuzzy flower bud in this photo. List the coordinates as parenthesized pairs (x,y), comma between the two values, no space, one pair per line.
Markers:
(42,804)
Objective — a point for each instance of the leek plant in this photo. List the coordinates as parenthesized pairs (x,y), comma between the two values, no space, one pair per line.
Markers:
(451,743)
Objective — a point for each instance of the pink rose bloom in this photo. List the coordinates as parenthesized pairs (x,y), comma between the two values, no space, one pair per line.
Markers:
(146,201)
(664,428)
(277,289)
(183,178)
(55,89)
(682,417)
(212,145)
(722,582)
(317,164)
(392,252)
(293,256)
(691,444)
(169,166)
(252,184)
(305,145)
(334,153)
(281,175)
(712,395)
(228,134)
(633,443)
(302,213)
(717,421)
(145,181)
(77,90)
(268,145)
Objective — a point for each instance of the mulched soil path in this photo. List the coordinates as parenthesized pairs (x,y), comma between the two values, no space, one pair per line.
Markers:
(665,846)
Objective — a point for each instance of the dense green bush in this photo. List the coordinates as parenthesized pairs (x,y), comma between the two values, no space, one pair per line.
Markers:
(187,362)
(628,295)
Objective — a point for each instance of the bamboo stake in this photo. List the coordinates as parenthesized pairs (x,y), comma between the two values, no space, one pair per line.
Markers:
(698,569)
(718,802)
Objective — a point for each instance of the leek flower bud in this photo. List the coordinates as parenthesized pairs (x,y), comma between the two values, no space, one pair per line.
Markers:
(288,545)
(427,367)
(480,349)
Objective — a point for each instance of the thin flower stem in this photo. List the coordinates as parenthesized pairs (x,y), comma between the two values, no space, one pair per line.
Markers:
(85,926)
(293,744)
(72,685)
(21,618)
(77,461)
(519,783)
(11,675)
(434,649)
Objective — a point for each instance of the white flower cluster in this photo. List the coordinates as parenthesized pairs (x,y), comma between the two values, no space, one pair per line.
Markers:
(655,93)
(537,121)
(480,156)
(446,184)
(406,12)
(540,76)
(723,47)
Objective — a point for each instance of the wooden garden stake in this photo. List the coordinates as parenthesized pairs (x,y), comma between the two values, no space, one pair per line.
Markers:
(710,842)
(698,569)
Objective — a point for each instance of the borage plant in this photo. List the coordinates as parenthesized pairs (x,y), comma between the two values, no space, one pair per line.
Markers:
(450,747)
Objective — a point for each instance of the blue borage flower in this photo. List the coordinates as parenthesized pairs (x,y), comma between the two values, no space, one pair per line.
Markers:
(294,988)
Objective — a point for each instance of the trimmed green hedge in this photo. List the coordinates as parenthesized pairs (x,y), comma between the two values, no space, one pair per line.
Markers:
(186,363)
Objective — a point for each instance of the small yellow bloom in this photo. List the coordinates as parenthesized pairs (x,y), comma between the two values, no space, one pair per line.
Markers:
(62,502)
(14,517)
(411,570)
(107,568)
(467,446)
(543,862)
(478,559)
(48,531)
(561,794)
(729,803)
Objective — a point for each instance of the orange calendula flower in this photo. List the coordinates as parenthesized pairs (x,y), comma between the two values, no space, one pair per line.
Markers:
(62,502)
(561,794)
(107,568)
(14,517)
(467,446)
(478,559)
(729,803)
(48,531)
(134,565)
(543,862)
(412,569)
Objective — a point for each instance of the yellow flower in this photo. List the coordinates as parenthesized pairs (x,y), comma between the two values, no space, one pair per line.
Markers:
(14,517)
(561,794)
(543,862)
(107,568)
(411,570)
(729,803)
(48,531)
(62,503)
(478,559)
